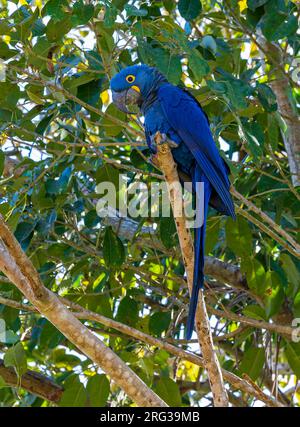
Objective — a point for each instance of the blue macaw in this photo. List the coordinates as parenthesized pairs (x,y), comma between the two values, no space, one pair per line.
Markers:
(174,112)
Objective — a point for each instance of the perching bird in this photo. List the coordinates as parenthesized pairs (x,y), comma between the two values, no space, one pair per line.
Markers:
(175,113)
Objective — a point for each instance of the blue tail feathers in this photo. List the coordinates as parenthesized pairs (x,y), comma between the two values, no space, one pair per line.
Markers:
(199,241)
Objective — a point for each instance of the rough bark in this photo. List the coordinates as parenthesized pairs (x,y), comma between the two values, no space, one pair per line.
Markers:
(32,381)
(281,87)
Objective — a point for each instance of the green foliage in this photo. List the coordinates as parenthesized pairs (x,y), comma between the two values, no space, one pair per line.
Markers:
(94,394)
(168,390)
(292,355)
(98,390)
(60,128)
(113,249)
(189,9)
(253,362)
(15,357)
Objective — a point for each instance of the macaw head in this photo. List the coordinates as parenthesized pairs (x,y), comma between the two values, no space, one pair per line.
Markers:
(133,85)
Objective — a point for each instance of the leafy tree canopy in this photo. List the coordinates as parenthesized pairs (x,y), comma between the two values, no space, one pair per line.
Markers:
(61,136)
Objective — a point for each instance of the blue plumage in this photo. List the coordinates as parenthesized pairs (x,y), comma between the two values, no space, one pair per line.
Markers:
(174,112)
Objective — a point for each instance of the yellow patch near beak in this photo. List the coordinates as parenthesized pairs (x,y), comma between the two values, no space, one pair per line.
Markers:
(136,88)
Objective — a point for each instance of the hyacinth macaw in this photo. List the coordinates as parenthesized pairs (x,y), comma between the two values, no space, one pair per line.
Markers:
(175,113)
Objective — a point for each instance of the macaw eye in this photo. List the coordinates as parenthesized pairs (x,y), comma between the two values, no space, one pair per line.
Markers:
(130,78)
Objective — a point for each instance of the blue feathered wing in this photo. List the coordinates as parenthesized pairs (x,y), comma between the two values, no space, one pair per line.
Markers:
(187,119)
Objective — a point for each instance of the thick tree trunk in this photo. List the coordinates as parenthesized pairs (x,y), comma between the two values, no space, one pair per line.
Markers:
(281,87)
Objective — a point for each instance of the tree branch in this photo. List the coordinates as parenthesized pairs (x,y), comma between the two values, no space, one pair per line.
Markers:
(19,269)
(32,381)
(281,86)
(268,220)
(84,314)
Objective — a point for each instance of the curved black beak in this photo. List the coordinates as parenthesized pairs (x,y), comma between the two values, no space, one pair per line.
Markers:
(126,97)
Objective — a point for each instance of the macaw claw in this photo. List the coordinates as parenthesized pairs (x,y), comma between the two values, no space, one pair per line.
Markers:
(165,140)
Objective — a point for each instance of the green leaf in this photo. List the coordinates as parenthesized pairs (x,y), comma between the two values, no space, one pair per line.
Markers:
(291,270)
(78,80)
(189,9)
(266,97)
(49,337)
(9,337)
(296,305)
(168,232)
(134,11)
(137,160)
(236,92)
(128,311)
(40,50)
(5,27)
(15,357)
(81,13)
(91,219)
(9,95)
(169,391)
(276,26)
(255,274)
(108,173)
(239,236)
(252,362)
(292,353)
(2,382)
(255,312)
(212,235)
(6,52)
(90,92)
(23,230)
(57,186)
(198,65)
(55,8)
(2,162)
(274,293)
(63,360)
(232,89)
(112,128)
(113,249)
(254,4)
(208,42)
(43,124)
(75,395)
(159,322)
(168,63)
(255,138)
(273,131)
(98,390)
(57,29)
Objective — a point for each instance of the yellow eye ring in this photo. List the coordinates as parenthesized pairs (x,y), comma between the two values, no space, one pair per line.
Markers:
(130,78)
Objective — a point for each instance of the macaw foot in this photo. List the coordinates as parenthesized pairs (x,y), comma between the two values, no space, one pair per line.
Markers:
(165,140)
